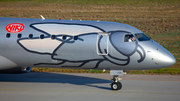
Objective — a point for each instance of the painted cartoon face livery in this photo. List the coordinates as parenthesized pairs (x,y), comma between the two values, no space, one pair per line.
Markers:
(86,44)
(83,32)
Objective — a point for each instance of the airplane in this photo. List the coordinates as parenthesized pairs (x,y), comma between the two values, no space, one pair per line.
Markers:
(78,44)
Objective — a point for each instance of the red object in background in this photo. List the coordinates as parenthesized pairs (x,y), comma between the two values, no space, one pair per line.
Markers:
(15,27)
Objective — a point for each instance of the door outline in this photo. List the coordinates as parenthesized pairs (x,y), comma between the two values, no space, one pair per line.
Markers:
(103,35)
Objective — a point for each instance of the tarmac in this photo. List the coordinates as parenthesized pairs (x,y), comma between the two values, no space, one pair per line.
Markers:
(35,86)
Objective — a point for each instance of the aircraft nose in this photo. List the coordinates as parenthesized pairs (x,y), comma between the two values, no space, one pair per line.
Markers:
(164,58)
(168,59)
(157,55)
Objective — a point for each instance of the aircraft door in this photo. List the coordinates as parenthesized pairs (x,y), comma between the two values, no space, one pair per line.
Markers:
(102,43)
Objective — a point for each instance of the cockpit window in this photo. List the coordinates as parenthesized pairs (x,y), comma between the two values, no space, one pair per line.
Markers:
(142,37)
(129,38)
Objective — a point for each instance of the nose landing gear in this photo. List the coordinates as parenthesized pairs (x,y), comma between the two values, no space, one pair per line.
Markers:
(116,85)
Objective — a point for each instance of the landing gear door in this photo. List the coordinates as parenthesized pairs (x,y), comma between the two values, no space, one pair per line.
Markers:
(102,43)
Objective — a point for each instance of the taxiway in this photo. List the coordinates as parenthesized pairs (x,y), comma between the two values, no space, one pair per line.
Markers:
(87,87)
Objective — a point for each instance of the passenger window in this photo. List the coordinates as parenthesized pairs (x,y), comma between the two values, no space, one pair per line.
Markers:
(30,36)
(64,37)
(53,37)
(19,35)
(129,38)
(8,35)
(42,36)
(75,37)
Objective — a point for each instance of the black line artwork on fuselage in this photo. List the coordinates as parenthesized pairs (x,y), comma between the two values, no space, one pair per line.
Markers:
(81,37)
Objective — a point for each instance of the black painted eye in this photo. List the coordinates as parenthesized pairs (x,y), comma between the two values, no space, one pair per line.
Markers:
(120,44)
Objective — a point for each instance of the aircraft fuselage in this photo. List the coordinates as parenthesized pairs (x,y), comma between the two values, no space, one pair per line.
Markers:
(78,44)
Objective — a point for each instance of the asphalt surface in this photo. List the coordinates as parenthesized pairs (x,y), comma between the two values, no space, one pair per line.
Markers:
(87,87)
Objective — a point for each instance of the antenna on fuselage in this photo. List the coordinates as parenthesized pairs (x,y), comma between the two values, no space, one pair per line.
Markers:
(42,17)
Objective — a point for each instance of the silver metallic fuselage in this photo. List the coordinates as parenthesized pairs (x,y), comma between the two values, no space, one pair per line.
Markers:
(99,45)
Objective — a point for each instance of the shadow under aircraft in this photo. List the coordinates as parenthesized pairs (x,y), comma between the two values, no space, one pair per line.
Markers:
(54,78)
